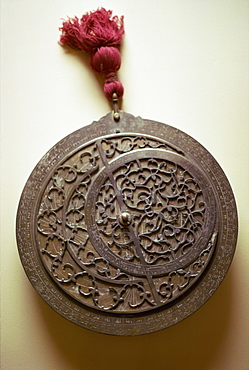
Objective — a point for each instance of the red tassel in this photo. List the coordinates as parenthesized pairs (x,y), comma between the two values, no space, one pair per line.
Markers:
(98,34)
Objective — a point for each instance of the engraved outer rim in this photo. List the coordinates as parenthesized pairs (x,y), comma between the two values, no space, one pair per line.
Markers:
(171,313)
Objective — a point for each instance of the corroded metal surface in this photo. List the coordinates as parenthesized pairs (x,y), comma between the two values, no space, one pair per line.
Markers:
(126,228)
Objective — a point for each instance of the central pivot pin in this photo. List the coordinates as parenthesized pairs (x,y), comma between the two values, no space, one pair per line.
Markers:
(125,218)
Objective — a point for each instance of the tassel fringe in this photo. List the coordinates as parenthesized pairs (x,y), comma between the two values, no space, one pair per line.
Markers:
(98,34)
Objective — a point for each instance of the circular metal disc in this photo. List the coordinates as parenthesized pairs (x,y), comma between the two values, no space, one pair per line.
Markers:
(126,228)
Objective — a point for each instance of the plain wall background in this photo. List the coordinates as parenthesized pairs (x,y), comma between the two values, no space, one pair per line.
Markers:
(185,63)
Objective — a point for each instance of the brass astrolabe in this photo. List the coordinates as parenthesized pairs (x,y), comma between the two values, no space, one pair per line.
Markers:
(126,226)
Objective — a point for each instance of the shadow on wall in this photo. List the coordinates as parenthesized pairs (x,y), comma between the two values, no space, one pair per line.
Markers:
(192,344)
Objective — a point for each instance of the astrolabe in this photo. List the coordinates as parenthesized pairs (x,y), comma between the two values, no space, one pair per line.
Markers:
(127,226)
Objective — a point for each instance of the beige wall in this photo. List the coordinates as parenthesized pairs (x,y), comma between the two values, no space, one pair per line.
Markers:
(185,63)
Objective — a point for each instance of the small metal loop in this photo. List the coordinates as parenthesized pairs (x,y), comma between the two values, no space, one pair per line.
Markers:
(115,107)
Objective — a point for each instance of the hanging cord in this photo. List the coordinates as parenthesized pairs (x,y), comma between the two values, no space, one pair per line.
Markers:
(100,35)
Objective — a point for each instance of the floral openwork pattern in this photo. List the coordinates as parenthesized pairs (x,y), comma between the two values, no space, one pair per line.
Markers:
(167,208)
(126,267)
